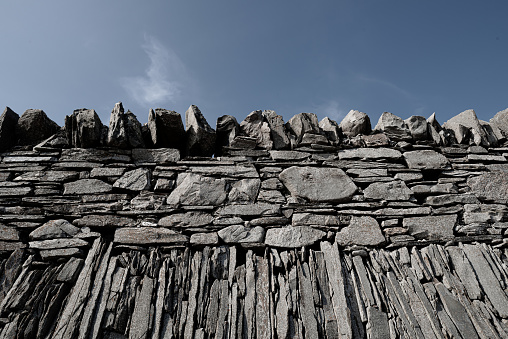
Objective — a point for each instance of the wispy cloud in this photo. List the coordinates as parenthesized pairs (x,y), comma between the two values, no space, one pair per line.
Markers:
(331,109)
(163,79)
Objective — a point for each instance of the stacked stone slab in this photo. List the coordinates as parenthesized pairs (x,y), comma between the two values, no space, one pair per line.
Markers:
(309,239)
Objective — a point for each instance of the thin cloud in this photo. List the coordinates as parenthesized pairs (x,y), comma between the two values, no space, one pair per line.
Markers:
(332,110)
(163,79)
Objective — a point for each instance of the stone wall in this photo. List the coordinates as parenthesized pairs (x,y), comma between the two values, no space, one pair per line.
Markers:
(304,229)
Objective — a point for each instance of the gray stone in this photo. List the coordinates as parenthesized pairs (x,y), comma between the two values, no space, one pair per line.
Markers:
(256,209)
(166,129)
(244,191)
(70,270)
(289,155)
(102,172)
(160,156)
(293,236)
(465,272)
(377,327)
(148,235)
(195,189)
(370,154)
(15,191)
(409,176)
(450,199)
(274,197)
(124,129)
(376,140)
(59,228)
(500,121)
(188,219)
(227,130)
(374,172)
(417,127)
(435,227)
(135,180)
(483,213)
(395,190)
(100,220)
(277,130)
(83,128)
(425,159)
(57,243)
(244,143)
(491,186)
(303,123)
(34,126)
(87,186)
(256,127)
(8,121)
(164,185)
(331,129)
(465,124)
(309,139)
(53,176)
(363,231)
(200,136)
(355,123)
(8,233)
(435,189)
(309,219)
(318,184)
(89,156)
(393,126)
(238,171)
(241,234)
(204,239)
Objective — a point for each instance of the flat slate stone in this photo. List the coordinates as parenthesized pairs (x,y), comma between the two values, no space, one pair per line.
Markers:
(135,180)
(57,243)
(204,239)
(241,234)
(293,236)
(450,199)
(370,154)
(198,190)
(491,186)
(425,159)
(289,155)
(256,209)
(394,190)
(189,219)
(60,228)
(56,176)
(308,219)
(99,220)
(148,235)
(70,270)
(160,155)
(8,233)
(363,231)
(434,227)
(318,184)
(87,186)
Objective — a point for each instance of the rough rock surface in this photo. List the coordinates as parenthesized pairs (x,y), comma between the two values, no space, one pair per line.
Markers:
(426,160)
(34,126)
(417,126)
(242,234)
(200,136)
(395,190)
(466,126)
(86,186)
(84,128)
(195,189)
(361,231)
(303,123)
(277,130)
(500,121)
(318,184)
(135,180)
(124,129)
(166,129)
(393,126)
(431,227)
(490,186)
(226,131)
(355,123)
(293,236)
(255,126)
(8,121)
(59,228)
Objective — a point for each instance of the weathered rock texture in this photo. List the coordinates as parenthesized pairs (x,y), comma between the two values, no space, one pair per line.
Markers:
(295,231)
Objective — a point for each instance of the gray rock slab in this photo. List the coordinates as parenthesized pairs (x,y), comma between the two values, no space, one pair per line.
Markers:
(70,270)
(255,126)
(392,126)
(331,129)
(370,154)
(465,272)
(188,219)
(135,180)
(227,129)
(195,189)
(200,136)
(99,220)
(377,326)
(86,186)
(204,239)
(491,186)
(89,156)
(84,128)
(160,156)
(148,235)
(34,126)
(450,199)
(166,128)
(318,184)
(15,191)
(363,231)
(303,123)
(439,227)
(8,233)
(256,209)
(355,123)
(8,121)
(425,159)
(395,190)
(308,219)
(500,121)
(244,191)
(102,172)
(417,126)
(241,234)
(59,228)
(57,243)
(482,213)
(289,155)
(277,130)
(469,121)
(293,236)
(238,171)
(57,176)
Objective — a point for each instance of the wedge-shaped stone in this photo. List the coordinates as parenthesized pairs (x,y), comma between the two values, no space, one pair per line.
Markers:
(87,186)
(60,228)
(200,136)
(439,227)
(148,235)
(393,126)
(425,159)
(166,128)
(83,128)
(491,186)
(198,190)
(293,236)
(363,231)
(370,154)
(395,190)
(466,126)
(160,156)
(241,234)
(318,184)
(34,126)
(57,243)
(331,130)
(135,180)
(189,219)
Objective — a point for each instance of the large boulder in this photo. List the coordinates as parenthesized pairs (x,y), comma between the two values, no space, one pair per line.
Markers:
(124,129)
(255,126)
(200,136)
(318,184)
(34,126)
(8,121)
(331,129)
(303,123)
(355,123)
(226,130)
(417,127)
(277,130)
(166,129)
(393,126)
(467,129)
(83,128)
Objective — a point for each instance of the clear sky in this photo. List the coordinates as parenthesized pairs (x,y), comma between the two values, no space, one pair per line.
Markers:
(235,56)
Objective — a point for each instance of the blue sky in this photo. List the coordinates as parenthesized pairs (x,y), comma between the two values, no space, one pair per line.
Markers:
(232,57)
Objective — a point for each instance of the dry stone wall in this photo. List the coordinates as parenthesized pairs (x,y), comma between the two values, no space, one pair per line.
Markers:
(304,229)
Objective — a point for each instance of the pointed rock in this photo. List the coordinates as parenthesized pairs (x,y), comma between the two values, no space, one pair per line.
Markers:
(303,123)
(467,128)
(200,136)
(34,126)
(83,128)
(417,127)
(355,123)
(254,126)
(166,129)
(277,130)
(60,228)
(227,129)
(494,134)
(393,126)
(500,121)
(331,129)
(8,122)
(124,129)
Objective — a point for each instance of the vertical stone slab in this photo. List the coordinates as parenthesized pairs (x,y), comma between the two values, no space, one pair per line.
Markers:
(307,301)
(263,329)
(250,296)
